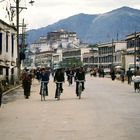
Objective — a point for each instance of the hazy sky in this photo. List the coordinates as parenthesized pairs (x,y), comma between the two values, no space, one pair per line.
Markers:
(45,12)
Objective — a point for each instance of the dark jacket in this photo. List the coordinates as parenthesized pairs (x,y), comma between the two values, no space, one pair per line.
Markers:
(59,76)
(45,76)
(80,75)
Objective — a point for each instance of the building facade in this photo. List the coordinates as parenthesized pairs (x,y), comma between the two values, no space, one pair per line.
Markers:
(8,52)
(111,54)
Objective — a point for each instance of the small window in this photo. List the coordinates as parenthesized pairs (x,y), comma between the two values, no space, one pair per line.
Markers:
(0,43)
(1,71)
(7,42)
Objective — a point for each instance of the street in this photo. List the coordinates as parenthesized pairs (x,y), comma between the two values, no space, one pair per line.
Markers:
(108,110)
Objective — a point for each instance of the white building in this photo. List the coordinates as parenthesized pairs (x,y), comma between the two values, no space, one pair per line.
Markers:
(8,52)
(111,53)
(40,46)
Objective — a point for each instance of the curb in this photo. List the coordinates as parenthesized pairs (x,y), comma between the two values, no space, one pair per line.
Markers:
(6,92)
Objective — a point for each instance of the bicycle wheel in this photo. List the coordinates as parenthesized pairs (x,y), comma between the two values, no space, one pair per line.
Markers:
(79,90)
(58,94)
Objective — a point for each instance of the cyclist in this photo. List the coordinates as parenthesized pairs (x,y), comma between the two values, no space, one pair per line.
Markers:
(45,74)
(70,75)
(59,77)
(80,75)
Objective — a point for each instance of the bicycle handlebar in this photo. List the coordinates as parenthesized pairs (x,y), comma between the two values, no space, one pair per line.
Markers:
(58,82)
(44,81)
(80,80)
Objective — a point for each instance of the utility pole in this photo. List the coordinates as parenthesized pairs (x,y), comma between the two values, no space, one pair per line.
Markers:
(17,25)
(135,51)
(18,10)
(112,53)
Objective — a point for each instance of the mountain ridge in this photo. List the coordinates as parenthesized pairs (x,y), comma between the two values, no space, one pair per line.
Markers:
(115,24)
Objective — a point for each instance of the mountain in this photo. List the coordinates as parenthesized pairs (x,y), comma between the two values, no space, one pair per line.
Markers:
(115,25)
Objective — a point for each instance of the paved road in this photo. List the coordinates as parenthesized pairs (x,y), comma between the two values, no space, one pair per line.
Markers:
(108,110)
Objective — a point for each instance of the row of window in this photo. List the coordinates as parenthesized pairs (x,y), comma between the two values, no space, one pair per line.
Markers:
(7,43)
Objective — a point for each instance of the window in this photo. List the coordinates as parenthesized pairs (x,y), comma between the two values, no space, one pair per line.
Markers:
(1,71)
(7,42)
(0,43)
(12,44)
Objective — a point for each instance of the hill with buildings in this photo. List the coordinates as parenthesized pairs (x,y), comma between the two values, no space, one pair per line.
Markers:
(92,29)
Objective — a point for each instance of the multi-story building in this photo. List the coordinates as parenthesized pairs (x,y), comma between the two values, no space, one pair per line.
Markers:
(43,59)
(133,50)
(111,54)
(40,45)
(73,56)
(8,52)
(90,59)
(55,42)
(62,38)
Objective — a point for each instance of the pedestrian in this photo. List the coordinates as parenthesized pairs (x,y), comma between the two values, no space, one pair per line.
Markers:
(137,79)
(59,77)
(122,75)
(45,74)
(1,91)
(129,74)
(26,82)
(112,73)
(80,76)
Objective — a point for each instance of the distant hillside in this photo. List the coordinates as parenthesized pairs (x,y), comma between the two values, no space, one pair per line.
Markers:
(115,24)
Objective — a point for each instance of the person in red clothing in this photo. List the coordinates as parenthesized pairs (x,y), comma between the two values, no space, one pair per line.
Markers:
(26,82)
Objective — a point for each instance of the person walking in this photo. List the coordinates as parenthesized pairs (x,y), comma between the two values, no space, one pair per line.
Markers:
(112,73)
(137,79)
(26,82)
(1,91)
(122,75)
(59,77)
(129,74)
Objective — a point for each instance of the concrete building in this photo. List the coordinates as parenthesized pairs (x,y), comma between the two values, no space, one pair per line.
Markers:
(133,50)
(111,54)
(73,56)
(43,59)
(8,52)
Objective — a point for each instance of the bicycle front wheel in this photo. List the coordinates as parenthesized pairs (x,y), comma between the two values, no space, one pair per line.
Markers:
(58,94)
(80,91)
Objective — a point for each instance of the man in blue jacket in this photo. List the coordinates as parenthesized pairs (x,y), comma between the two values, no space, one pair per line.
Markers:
(45,74)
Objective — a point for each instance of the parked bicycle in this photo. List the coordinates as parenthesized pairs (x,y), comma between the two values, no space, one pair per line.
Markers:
(43,93)
(80,87)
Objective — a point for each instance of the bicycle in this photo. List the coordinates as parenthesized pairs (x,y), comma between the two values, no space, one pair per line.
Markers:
(58,90)
(70,79)
(43,90)
(79,87)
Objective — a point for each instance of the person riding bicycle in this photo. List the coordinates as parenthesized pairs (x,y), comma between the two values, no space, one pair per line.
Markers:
(70,75)
(45,74)
(59,77)
(80,75)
